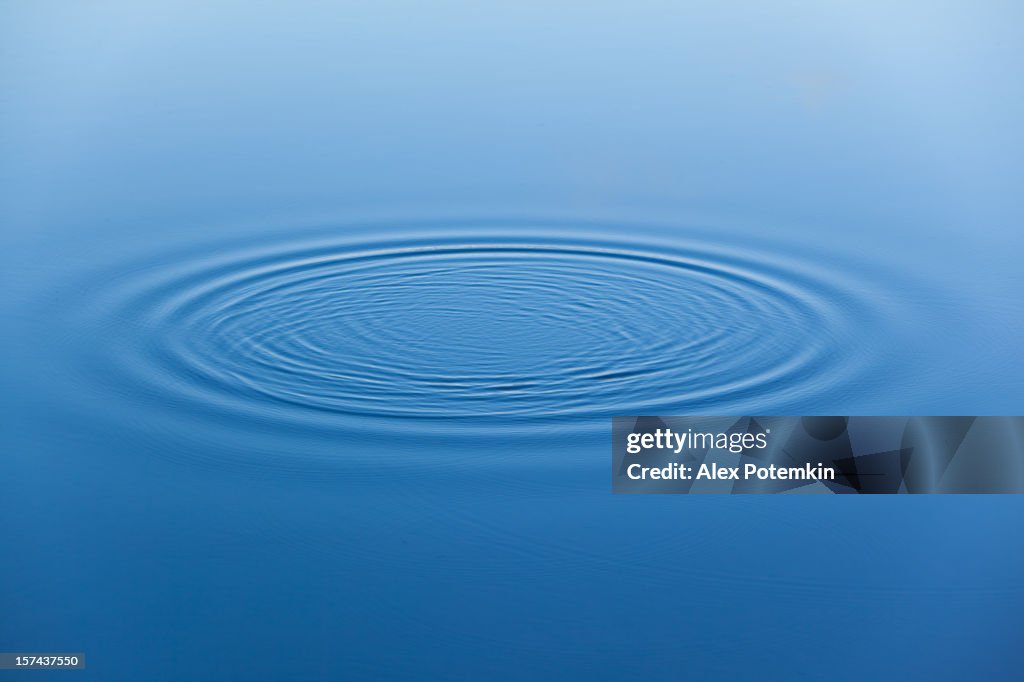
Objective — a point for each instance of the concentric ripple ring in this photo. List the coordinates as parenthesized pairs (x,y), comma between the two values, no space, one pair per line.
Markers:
(463,329)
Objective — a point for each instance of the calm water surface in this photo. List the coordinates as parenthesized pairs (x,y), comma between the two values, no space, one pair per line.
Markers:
(315,317)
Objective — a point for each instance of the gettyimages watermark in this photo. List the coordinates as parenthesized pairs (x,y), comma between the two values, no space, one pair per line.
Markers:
(823,455)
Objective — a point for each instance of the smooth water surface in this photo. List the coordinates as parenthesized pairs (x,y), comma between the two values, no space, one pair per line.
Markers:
(315,316)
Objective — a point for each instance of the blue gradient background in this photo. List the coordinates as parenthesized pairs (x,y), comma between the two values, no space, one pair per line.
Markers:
(173,537)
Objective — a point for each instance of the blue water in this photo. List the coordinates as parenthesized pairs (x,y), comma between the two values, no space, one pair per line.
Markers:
(315,316)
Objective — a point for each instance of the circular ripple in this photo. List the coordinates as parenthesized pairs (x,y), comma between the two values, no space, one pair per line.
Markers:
(469,329)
